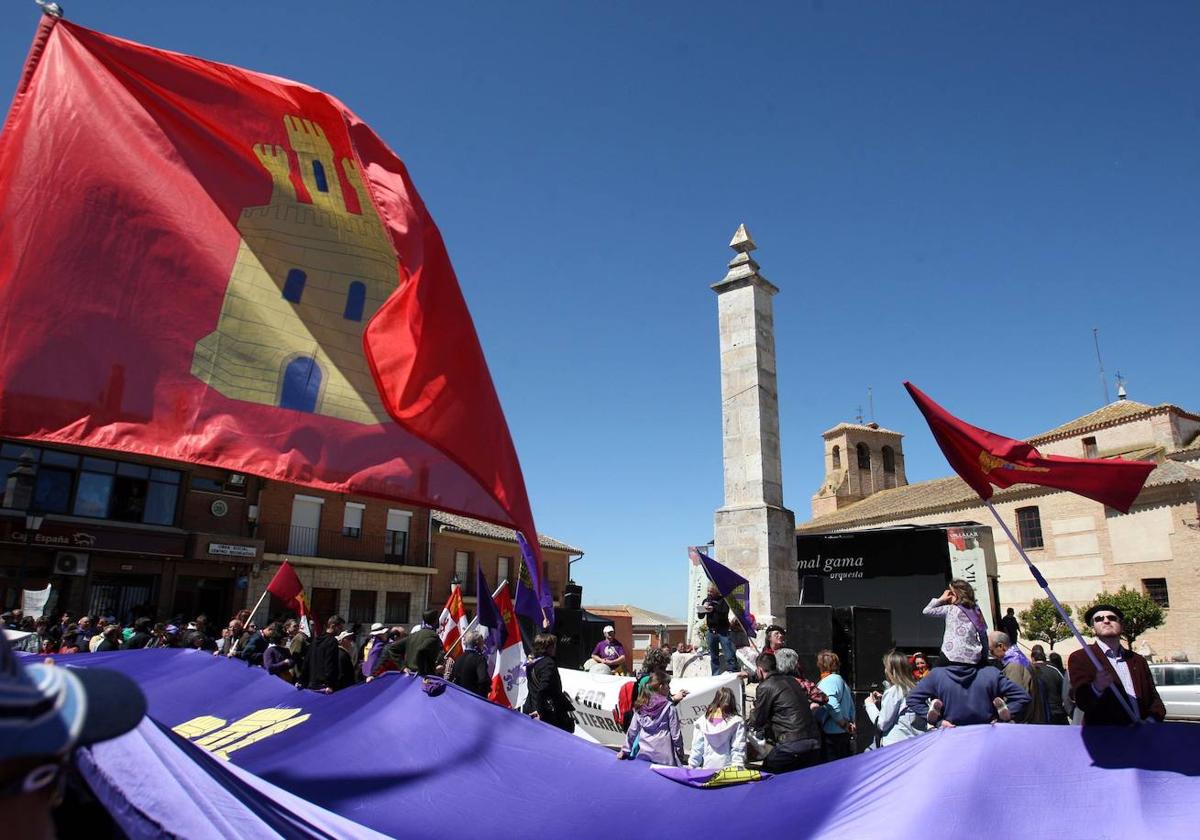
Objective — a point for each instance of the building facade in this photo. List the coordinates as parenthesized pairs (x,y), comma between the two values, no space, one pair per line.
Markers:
(1081,546)
(129,535)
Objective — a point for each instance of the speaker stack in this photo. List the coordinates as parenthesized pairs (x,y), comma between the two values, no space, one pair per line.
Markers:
(809,631)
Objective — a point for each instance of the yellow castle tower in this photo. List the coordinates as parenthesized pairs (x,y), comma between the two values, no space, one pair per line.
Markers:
(307,279)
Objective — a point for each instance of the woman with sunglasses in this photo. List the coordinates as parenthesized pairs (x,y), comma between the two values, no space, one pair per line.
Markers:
(1099,692)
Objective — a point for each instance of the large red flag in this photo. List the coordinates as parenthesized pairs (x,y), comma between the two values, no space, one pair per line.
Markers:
(982,459)
(212,265)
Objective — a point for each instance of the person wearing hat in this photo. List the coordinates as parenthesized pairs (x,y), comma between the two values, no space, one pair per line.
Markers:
(48,711)
(1123,672)
(347,674)
(608,657)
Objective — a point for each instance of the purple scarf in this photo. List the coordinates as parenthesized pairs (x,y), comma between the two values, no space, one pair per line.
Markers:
(976,619)
(1013,654)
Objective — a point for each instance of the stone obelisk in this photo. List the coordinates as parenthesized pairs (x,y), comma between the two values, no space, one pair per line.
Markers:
(755,533)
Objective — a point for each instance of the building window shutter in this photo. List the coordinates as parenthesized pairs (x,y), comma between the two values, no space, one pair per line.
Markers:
(352,519)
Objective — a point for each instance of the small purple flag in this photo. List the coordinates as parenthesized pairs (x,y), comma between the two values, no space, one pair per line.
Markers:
(490,622)
(534,599)
(734,588)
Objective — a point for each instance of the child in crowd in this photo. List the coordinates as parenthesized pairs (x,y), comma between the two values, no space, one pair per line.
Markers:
(965,639)
(887,711)
(654,733)
(719,739)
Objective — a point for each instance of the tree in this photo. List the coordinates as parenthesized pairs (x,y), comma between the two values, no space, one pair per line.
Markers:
(1042,622)
(1141,612)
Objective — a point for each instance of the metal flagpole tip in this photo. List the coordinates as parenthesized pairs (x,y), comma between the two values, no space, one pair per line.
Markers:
(52,9)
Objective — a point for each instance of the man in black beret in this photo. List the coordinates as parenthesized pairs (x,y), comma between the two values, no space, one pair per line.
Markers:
(1123,672)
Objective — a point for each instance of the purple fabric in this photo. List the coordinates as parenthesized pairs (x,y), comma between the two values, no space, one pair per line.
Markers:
(372,660)
(601,649)
(153,783)
(534,598)
(734,588)
(381,752)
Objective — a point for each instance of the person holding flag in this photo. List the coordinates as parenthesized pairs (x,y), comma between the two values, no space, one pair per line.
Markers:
(732,590)
(982,459)
(287,588)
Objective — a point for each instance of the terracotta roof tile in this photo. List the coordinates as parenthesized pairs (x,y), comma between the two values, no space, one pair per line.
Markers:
(640,616)
(944,494)
(1112,413)
(477,528)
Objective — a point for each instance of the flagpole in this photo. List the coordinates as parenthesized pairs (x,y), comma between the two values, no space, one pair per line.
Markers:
(1126,704)
(266,592)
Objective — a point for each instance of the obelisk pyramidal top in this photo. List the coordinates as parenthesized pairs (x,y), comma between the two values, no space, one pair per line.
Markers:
(755,533)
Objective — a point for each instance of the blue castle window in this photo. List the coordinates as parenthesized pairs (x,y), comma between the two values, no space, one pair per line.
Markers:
(319,176)
(301,385)
(356,298)
(293,287)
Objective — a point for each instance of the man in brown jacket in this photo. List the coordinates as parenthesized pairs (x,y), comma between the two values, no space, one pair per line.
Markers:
(1124,673)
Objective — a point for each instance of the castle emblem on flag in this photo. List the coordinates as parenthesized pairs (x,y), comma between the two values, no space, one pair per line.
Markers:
(307,278)
(989,462)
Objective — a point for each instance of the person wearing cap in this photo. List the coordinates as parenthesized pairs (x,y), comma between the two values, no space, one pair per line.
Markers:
(347,674)
(776,639)
(1123,672)
(48,712)
(608,657)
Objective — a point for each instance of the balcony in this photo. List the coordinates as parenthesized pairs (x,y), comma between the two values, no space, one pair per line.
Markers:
(390,548)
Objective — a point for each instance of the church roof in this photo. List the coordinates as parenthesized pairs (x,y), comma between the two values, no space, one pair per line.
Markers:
(1115,412)
(946,494)
(861,427)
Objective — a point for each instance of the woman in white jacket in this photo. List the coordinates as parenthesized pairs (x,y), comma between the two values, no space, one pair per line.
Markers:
(719,738)
(886,710)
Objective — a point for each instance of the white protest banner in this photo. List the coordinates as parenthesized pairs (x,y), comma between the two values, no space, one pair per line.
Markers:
(33,601)
(595,697)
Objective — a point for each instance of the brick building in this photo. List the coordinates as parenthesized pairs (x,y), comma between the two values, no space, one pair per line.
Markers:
(117,533)
(371,560)
(1081,546)
(121,534)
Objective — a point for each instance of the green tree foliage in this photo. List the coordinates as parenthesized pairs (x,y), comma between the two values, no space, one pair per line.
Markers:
(1141,613)
(1042,622)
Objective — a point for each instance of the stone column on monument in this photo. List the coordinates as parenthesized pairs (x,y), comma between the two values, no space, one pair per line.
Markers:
(755,533)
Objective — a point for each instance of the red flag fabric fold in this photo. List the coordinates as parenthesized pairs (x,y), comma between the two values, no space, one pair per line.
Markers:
(982,458)
(212,265)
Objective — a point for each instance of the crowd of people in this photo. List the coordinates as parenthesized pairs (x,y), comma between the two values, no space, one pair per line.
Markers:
(983,677)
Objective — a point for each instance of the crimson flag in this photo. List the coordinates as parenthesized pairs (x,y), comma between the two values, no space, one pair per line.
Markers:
(982,459)
(216,266)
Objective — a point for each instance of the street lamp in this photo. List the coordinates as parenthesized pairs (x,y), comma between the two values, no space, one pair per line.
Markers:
(33,524)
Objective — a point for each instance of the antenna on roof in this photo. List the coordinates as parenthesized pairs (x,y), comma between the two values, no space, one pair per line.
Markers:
(1103,381)
(871,401)
(858,418)
(1120,386)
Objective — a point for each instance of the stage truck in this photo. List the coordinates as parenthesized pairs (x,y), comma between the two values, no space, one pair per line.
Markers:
(900,569)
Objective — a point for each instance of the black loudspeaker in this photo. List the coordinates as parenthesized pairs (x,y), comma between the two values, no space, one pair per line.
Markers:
(812,590)
(861,636)
(578,631)
(809,631)
(572,597)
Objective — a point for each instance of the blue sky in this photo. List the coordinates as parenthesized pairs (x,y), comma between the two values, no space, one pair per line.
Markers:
(950,192)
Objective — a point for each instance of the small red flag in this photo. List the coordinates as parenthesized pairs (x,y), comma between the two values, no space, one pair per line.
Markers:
(286,586)
(982,459)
